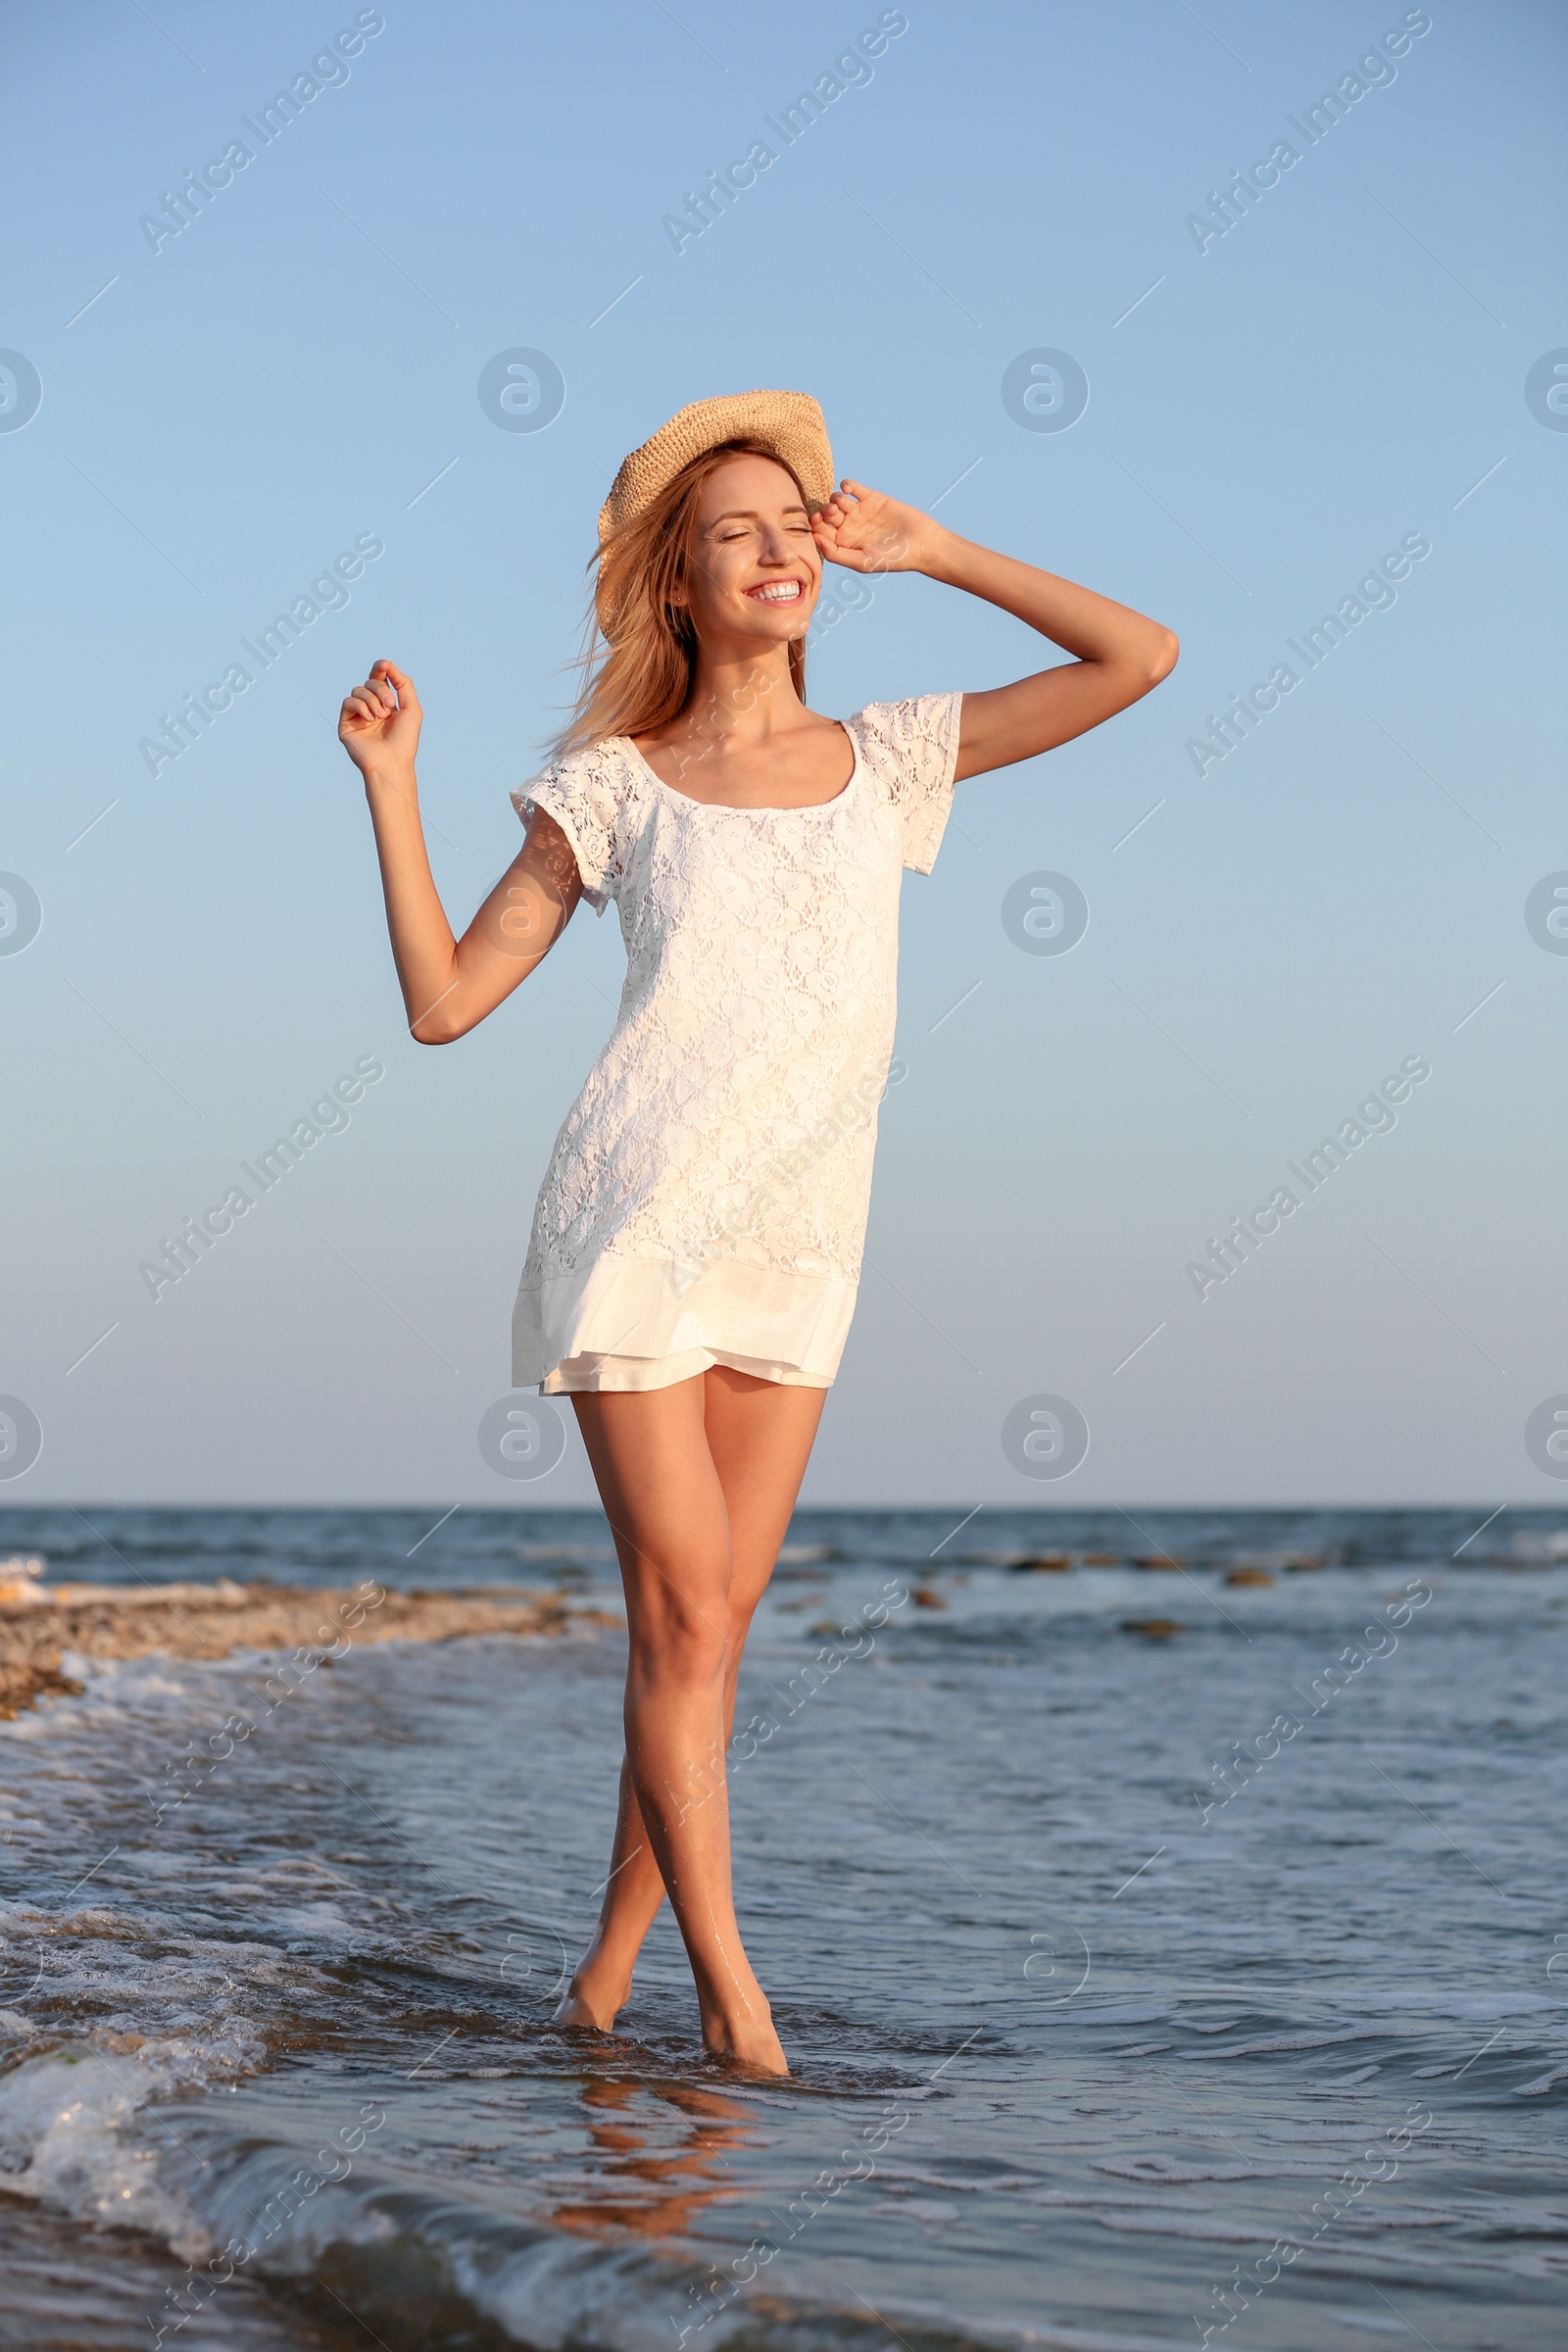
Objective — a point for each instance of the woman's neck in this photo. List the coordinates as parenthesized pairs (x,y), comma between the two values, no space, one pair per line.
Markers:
(748,693)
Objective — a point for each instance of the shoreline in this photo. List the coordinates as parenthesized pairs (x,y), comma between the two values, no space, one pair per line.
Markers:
(213,1621)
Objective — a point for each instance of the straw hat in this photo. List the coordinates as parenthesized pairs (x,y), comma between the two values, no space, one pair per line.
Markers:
(790,422)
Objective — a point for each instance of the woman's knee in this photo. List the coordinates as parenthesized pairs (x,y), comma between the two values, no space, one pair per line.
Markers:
(683,1639)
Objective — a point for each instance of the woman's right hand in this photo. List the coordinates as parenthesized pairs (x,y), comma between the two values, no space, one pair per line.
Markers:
(379,725)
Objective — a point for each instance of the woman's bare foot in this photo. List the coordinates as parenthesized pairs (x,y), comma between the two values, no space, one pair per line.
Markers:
(594,1997)
(746,2038)
(574,2011)
(765,2058)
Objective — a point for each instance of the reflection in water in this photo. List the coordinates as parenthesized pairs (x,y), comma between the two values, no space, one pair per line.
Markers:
(658,2172)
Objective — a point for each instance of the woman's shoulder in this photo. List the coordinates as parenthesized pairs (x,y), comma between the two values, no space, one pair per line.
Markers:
(604,756)
(911,750)
(891,736)
(601,772)
(586,790)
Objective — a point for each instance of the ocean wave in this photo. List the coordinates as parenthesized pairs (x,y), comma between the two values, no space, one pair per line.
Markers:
(420,2264)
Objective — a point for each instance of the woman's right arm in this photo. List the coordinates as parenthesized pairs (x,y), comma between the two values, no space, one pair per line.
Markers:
(449,984)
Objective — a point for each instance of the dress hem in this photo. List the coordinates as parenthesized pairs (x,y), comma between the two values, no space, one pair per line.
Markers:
(603,1375)
(650,1311)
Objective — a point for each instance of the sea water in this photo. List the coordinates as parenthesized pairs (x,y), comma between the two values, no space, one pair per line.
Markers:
(1160,1959)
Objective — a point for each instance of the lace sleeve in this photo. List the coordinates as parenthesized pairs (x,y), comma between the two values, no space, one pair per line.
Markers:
(912,750)
(582,794)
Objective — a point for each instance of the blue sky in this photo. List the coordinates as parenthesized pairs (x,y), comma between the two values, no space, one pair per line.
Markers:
(1271,412)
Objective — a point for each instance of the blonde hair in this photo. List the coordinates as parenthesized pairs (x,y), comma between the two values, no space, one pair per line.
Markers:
(640,647)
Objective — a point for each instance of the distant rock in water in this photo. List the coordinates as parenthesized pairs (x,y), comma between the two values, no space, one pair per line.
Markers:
(1153,1629)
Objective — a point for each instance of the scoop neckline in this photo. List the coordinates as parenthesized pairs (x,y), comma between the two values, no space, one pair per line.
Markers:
(767,809)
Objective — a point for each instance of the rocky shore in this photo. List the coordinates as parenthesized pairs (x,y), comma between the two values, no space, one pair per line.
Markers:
(41,1632)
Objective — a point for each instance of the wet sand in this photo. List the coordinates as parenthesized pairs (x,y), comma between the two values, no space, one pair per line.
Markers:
(37,1634)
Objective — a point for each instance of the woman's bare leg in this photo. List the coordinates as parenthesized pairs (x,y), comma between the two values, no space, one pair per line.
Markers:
(756,1436)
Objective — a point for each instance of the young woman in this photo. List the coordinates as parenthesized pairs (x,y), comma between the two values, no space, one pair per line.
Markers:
(697,1243)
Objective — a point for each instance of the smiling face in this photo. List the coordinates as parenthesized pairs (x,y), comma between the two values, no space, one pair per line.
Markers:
(753,570)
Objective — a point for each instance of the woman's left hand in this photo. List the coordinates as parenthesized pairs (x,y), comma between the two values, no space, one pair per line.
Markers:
(867,532)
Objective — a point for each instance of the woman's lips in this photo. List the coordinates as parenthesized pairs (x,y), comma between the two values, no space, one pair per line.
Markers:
(777,592)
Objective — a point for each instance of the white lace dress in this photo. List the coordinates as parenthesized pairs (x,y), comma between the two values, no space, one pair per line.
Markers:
(707,1197)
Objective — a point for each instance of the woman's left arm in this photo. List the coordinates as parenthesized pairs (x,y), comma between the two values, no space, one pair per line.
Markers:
(1118,654)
